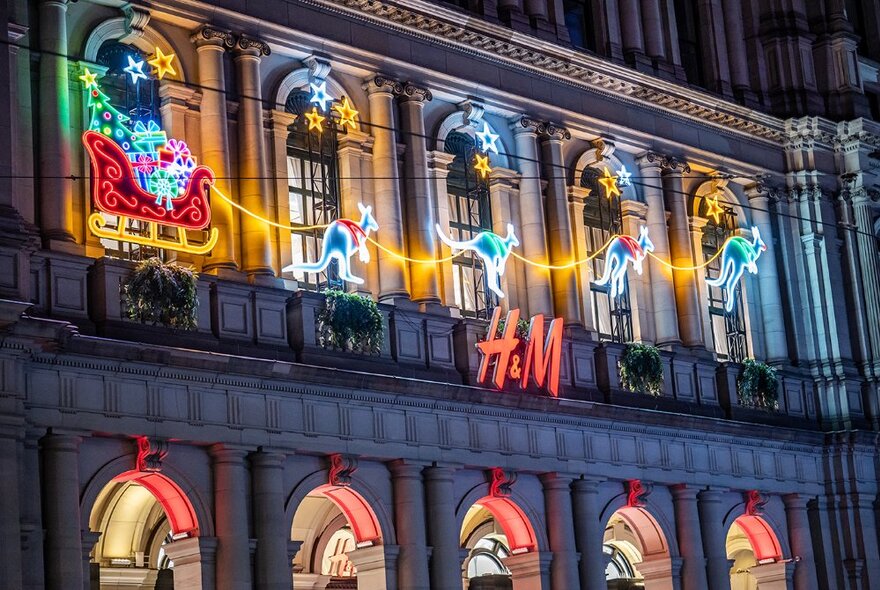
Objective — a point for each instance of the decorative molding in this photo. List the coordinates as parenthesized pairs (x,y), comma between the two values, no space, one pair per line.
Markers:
(501,482)
(226,38)
(341,469)
(415,92)
(637,492)
(472,112)
(381,83)
(318,65)
(755,502)
(136,21)
(674,165)
(554,131)
(151,453)
(603,148)
(246,43)
(528,123)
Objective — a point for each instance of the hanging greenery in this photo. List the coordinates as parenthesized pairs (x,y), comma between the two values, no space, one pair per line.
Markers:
(641,369)
(758,386)
(159,293)
(350,322)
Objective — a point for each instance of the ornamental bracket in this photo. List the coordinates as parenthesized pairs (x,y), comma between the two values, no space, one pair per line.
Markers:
(341,469)
(755,503)
(501,482)
(151,453)
(637,493)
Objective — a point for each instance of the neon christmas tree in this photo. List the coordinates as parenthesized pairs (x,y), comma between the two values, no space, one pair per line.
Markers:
(104,117)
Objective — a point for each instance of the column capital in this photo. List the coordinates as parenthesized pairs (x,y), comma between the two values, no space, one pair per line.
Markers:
(61,442)
(554,132)
(650,159)
(555,481)
(633,207)
(440,472)
(381,84)
(711,494)
(674,165)
(438,160)
(209,35)
(404,468)
(415,93)
(587,484)
(684,491)
(523,124)
(176,93)
(252,46)
(233,454)
(268,458)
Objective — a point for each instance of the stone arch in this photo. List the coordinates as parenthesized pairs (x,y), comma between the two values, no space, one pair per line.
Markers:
(458,121)
(299,79)
(589,159)
(514,510)
(661,520)
(146,40)
(697,200)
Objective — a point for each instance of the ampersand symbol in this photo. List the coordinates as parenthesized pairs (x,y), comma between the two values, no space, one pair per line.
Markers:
(515,370)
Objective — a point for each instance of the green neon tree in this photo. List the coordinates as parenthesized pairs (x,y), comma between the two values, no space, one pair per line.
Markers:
(103,116)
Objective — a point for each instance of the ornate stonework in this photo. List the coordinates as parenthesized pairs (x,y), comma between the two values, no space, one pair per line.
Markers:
(636,493)
(151,453)
(246,43)
(500,482)
(341,469)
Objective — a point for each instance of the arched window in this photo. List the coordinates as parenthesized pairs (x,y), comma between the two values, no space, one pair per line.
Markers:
(313,189)
(469,214)
(602,219)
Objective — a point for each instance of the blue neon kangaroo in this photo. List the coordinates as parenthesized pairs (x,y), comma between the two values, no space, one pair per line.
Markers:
(492,249)
(738,256)
(341,239)
(621,250)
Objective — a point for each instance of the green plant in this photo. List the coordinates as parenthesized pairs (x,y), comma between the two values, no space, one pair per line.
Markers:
(641,369)
(758,385)
(350,322)
(160,293)
(522,328)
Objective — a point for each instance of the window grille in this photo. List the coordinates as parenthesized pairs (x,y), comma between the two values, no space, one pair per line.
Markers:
(728,329)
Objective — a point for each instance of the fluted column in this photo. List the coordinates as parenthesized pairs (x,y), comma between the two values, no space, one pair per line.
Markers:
(713,38)
(443,533)
(56,190)
(421,236)
(409,520)
(559,230)
(61,516)
(386,183)
(231,518)
(560,530)
(662,291)
(863,211)
(256,235)
(589,533)
(272,566)
(714,539)
(690,538)
(531,208)
(801,541)
(211,45)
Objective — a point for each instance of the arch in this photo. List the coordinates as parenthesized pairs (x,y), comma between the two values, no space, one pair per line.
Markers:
(729,198)
(656,516)
(116,29)
(179,510)
(647,530)
(765,544)
(513,521)
(357,511)
(299,79)
(589,159)
(458,121)
(515,510)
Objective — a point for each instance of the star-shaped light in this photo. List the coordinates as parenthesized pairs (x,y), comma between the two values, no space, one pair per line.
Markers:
(315,119)
(88,78)
(609,182)
(346,113)
(162,63)
(135,69)
(713,209)
(319,95)
(623,176)
(487,139)
(482,165)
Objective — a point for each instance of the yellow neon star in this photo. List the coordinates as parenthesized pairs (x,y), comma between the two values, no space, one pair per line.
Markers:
(713,209)
(482,165)
(88,78)
(162,63)
(315,120)
(609,182)
(346,113)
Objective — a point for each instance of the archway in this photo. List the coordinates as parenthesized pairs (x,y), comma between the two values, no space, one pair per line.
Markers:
(636,551)
(341,544)
(756,554)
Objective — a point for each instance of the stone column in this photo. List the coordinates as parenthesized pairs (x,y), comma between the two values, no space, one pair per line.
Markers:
(716,71)
(589,532)
(801,542)
(281,122)
(31,511)
(386,186)
(577,197)
(631,29)
(353,149)
(559,231)
(376,566)
(736,50)
(56,191)
(530,571)
(652,21)
(409,520)
(866,242)
(61,516)
(438,171)
(634,214)
(231,518)
(714,539)
(256,235)
(272,570)
(443,531)
(560,530)
(662,291)
(421,236)
(697,226)
(211,45)
(690,539)
(11,514)
(502,185)
(194,561)
(531,208)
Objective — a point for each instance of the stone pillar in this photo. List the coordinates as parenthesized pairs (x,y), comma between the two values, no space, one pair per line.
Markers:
(589,533)
(531,209)
(662,291)
(773,576)
(801,542)
(634,215)
(421,236)
(714,539)
(631,29)
(697,227)
(56,191)
(11,514)
(194,562)
(256,235)
(281,122)
(716,71)
(31,511)
(386,186)
(577,197)
(866,242)
(559,231)
(736,50)
(531,571)
(353,149)
(438,170)
(502,192)
(652,21)
(690,539)
(91,571)
(560,530)
(272,570)
(409,521)
(61,516)
(376,566)
(443,531)
(231,518)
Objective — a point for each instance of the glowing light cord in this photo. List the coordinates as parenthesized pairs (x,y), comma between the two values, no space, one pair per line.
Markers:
(569,264)
(288,227)
(696,267)
(415,260)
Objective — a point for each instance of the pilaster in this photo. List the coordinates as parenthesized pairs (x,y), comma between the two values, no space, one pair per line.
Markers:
(231,518)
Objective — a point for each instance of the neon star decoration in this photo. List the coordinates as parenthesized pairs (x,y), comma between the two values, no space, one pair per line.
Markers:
(621,251)
(481,165)
(738,256)
(342,239)
(162,63)
(135,69)
(319,95)
(609,183)
(88,78)
(713,208)
(624,177)
(315,120)
(487,139)
(347,114)
(492,249)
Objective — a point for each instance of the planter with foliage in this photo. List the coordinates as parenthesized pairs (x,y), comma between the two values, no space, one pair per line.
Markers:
(350,322)
(758,386)
(158,293)
(641,369)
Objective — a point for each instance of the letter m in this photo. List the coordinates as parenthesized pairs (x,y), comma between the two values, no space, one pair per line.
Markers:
(543,356)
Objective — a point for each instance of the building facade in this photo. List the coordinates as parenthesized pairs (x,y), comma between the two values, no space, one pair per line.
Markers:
(250,452)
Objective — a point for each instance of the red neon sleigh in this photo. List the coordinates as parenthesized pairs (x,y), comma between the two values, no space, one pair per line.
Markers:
(115,191)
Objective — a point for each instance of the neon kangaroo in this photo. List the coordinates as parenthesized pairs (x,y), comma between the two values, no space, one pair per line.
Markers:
(739,254)
(492,249)
(621,250)
(341,239)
